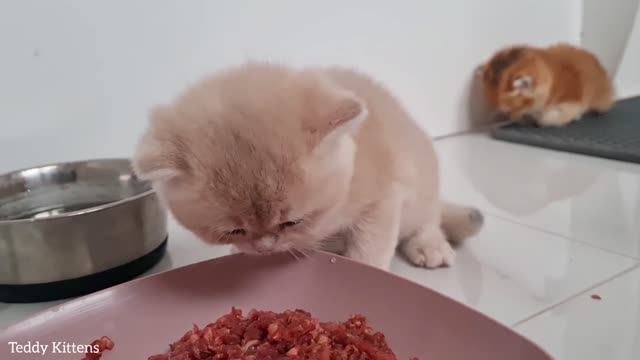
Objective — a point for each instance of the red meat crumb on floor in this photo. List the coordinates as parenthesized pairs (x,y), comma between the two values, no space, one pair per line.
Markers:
(102,344)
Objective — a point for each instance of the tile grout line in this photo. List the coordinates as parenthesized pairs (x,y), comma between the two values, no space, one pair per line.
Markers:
(575,296)
(550,232)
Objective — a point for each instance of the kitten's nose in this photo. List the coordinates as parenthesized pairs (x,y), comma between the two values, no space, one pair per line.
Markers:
(265,244)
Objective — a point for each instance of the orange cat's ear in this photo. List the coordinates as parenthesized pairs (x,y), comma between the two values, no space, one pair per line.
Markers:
(480,70)
(522,84)
(158,156)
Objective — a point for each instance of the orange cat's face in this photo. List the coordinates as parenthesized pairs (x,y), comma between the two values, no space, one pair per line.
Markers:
(258,157)
(514,81)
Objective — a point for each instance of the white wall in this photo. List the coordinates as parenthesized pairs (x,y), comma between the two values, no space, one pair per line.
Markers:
(612,31)
(628,76)
(78,77)
(606,29)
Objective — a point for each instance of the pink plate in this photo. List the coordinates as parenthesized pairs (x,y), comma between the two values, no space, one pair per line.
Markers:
(143,316)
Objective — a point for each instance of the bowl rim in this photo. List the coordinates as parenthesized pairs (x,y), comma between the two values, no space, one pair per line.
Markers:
(88,210)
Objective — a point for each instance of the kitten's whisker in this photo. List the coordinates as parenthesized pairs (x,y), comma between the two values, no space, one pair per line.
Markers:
(300,252)
(294,255)
(221,237)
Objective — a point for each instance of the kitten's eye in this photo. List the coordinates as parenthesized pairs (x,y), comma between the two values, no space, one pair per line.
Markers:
(235,232)
(289,224)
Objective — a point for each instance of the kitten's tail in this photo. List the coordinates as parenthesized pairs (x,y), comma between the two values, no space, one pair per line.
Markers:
(460,222)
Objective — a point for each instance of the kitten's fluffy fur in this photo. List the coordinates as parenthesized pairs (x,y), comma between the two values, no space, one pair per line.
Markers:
(554,85)
(270,158)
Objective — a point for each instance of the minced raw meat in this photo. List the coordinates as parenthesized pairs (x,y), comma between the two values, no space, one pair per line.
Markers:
(293,334)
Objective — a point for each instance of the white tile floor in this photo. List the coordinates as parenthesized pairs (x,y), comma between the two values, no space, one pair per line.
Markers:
(560,228)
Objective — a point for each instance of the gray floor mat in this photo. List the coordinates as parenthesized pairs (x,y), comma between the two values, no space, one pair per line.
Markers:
(614,135)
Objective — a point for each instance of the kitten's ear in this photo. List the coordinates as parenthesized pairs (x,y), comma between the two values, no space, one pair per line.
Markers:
(480,70)
(522,84)
(347,116)
(158,156)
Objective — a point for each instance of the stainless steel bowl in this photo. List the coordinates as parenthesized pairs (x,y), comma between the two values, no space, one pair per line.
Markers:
(72,228)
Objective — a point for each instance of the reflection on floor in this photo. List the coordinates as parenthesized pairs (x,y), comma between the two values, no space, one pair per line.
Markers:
(561,228)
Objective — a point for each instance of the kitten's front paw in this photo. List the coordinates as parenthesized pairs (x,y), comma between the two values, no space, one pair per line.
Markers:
(430,254)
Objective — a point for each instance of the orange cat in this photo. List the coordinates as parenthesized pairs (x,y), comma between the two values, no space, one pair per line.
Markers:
(554,85)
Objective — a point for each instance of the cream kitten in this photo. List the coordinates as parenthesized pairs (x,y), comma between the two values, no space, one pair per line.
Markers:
(271,159)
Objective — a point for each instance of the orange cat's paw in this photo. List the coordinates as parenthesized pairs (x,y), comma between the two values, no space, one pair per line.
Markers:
(561,115)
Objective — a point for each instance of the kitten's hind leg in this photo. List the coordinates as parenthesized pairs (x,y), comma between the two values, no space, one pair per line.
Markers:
(429,247)
(374,238)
